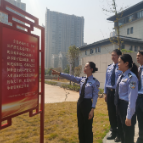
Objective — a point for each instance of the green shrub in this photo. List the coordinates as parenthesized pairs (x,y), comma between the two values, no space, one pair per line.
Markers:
(101,91)
(51,82)
(71,87)
(77,88)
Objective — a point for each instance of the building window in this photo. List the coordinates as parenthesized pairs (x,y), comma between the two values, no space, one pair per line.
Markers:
(140,14)
(131,48)
(141,47)
(96,50)
(121,22)
(133,17)
(85,52)
(136,49)
(99,49)
(131,30)
(128,31)
(91,51)
(122,46)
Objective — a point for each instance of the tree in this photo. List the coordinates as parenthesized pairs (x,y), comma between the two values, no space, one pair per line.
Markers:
(59,69)
(113,9)
(73,55)
(49,71)
(77,70)
(67,69)
(46,71)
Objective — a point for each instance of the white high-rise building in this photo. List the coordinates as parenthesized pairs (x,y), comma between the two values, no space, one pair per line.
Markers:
(61,31)
(19,4)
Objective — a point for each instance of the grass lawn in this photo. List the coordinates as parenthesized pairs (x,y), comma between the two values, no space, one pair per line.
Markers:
(60,125)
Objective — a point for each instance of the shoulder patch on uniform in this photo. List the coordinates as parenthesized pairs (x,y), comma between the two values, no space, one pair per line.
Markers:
(83,77)
(133,85)
(94,78)
(130,75)
(110,65)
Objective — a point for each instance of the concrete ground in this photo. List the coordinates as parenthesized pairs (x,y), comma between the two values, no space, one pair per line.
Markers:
(112,141)
(55,94)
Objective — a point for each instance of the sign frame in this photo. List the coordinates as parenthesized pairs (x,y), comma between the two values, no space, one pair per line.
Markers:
(11,15)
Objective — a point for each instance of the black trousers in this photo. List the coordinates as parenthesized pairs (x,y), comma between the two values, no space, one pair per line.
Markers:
(126,132)
(84,125)
(112,110)
(139,111)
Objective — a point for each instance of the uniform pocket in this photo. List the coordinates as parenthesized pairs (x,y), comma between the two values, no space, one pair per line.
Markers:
(123,87)
(88,88)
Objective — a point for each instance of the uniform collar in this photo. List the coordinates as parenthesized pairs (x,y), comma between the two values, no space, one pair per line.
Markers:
(115,64)
(126,72)
(90,77)
(141,67)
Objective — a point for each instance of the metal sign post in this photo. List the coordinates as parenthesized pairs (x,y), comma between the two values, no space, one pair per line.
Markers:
(19,75)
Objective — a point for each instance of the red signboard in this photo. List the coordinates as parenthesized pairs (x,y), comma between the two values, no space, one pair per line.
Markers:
(19,71)
(19,67)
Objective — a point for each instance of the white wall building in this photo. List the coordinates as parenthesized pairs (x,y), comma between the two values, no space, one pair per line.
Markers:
(131,21)
(100,53)
(61,31)
(131,34)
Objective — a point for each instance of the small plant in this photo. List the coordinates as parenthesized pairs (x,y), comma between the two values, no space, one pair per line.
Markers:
(51,82)
(124,51)
(101,91)
(71,87)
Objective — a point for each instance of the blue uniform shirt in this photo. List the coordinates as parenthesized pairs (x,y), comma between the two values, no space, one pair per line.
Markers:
(108,77)
(91,87)
(128,91)
(141,78)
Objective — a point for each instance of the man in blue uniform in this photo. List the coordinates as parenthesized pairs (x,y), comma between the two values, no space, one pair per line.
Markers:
(112,75)
(139,108)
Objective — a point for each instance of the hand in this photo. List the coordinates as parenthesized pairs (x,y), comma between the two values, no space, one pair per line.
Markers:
(128,122)
(55,72)
(90,116)
(105,97)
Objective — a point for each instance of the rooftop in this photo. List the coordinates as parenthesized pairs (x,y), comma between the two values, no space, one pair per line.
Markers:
(128,11)
(63,13)
(107,41)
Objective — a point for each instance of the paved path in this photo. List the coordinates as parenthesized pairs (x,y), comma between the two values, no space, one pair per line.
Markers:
(57,94)
(58,82)
(112,141)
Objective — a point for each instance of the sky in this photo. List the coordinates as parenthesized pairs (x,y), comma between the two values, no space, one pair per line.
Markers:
(96,27)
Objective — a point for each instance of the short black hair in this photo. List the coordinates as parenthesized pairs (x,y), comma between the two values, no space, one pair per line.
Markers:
(141,52)
(93,66)
(118,52)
